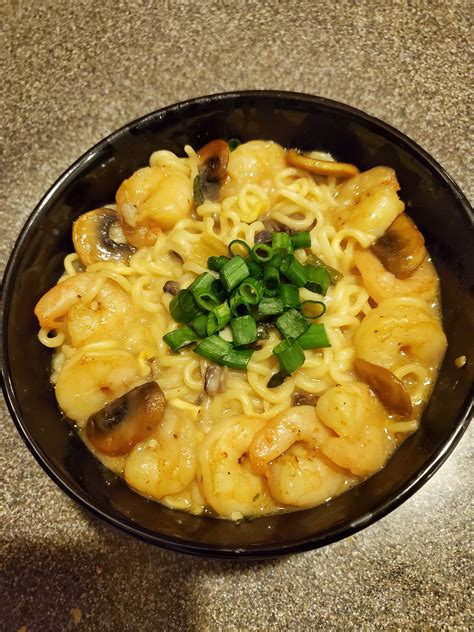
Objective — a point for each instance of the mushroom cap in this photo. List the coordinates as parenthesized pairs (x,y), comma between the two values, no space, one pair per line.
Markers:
(94,234)
(125,421)
(320,167)
(389,389)
(401,249)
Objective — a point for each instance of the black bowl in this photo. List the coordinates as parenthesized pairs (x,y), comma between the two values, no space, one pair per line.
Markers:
(297,120)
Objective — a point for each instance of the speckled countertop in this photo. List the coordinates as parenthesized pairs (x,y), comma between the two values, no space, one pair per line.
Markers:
(75,71)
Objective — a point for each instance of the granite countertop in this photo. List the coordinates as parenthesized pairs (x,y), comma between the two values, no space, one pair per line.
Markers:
(75,71)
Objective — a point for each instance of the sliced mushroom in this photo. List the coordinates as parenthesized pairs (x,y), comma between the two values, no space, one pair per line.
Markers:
(304,399)
(122,423)
(388,388)
(320,167)
(97,236)
(171,287)
(401,249)
(213,379)
(213,159)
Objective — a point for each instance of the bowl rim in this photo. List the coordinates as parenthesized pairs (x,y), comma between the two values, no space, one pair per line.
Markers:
(182,545)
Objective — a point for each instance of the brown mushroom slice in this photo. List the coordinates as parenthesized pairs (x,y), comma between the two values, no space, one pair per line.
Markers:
(97,236)
(213,159)
(125,421)
(402,248)
(320,167)
(388,388)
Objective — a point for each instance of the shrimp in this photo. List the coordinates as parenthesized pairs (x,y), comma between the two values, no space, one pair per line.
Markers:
(164,464)
(151,200)
(227,480)
(68,307)
(286,452)
(362,444)
(368,202)
(256,162)
(382,284)
(399,331)
(88,381)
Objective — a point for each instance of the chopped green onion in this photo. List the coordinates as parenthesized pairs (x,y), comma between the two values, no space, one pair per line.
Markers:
(180,337)
(262,253)
(335,275)
(255,270)
(233,273)
(238,305)
(213,348)
(270,306)
(251,290)
(276,261)
(199,324)
(290,296)
(314,337)
(244,330)
(216,263)
(291,324)
(301,239)
(277,379)
(281,243)
(237,247)
(218,289)
(233,144)
(294,271)
(313,309)
(319,279)
(219,317)
(202,282)
(197,191)
(183,307)
(290,355)
(237,358)
(206,300)
(271,278)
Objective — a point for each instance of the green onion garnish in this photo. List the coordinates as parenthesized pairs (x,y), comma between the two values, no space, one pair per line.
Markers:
(255,270)
(183,307)
(199,324)
(281,243)
(213,348)
(237,358)
(262,253)
(271,279)
(301,240)
(319,279)
(294,271)
(313,309)
(270,306)
(277,379)
(197,191)
(238,305)
(216,263)
(244,330)
(218,290)
(251,290)
(238,248)
(219,317)
(180,337)
(290,296)
(290,355)
(314,337)
(233,144)
(335,275)
(276,260)
(206,300)
(291,324)
(233,273)
(202,282)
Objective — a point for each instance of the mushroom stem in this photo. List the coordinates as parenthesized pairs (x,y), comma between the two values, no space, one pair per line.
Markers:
(321,167)
(388,388)
(401,249)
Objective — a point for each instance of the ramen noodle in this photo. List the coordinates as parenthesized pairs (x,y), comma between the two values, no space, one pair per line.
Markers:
(203,438)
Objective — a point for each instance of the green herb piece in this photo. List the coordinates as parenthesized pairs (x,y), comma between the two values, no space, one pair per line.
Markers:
(233,273)
(262,253)
(270,306)
(255,270)
(244,330)
(301,239)
(238,304)
(237,358)
(180,337)
(202,282)
(238,248)
(294,271)
(199,324)
(213,348)
(319,279)
(335,275)
(277,379)
(251,290)
(183,307)
(290,296)
(290,355)
(233,144)
(313,309)
(281,243)
(197,191)
(292,324)
(315,337)
(216,263)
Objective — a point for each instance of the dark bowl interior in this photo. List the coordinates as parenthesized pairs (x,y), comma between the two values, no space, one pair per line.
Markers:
(432,199)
